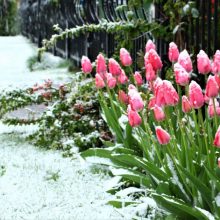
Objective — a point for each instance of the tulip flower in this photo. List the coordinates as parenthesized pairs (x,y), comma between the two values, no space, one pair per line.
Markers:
(185,61)
(173,53)
(125,57)
(186,106)
(154,59)
(159,114)
(152,103)
(166,94)
(163,136)
(122,78)
(114,67)
(181,75)
(213,110)
(135,100)
(150,72)
(203,63)
(216,63)
(196,97)
(86,65)
(111,81)
(99,82)
(100,64)
(149,45)
(217,79)
(212,87)
(216,141)
(138,78)
(123,97)
(133,117)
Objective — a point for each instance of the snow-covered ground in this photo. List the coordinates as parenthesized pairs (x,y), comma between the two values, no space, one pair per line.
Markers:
(39,184)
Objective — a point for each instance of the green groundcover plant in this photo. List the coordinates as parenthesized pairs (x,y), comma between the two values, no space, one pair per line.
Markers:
(167,134)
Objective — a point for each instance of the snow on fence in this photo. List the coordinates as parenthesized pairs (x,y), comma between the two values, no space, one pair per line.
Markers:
(39,16)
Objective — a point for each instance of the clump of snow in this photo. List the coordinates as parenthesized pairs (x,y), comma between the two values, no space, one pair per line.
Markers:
(206,213)
(217,200)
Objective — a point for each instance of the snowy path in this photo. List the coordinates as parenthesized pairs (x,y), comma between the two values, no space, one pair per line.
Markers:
(27,190)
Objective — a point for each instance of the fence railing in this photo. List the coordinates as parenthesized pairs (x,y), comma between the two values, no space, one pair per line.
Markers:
(39,16)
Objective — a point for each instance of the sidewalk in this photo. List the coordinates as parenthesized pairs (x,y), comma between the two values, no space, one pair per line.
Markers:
(35,183)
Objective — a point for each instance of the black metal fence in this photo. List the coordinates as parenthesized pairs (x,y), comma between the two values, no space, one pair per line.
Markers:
(39,16)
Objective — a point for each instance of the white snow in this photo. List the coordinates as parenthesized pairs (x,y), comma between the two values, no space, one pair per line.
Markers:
(206,213)
(217,200)
(40,184)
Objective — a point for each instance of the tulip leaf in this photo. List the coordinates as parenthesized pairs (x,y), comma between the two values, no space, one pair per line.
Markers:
(178,207)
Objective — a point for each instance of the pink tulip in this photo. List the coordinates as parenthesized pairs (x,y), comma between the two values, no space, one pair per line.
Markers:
(114,67)
(186,107)
(156,84)
(135,100)
(154,59)
(213,110)
(211,87)
(125,57)
(203,63)
(111,81)
(122,78)
(150,73)
(217,79)
(173,53)
(138,78)
(99,82)
(196,97)
(216,62)
(185,61)
(163,136)
(151,103)
(159,114)
(100,64)
(149,45)
(132,87)
(217,138)
(166,94)
(133,117)
(181,76)
(86,65)
(123,97)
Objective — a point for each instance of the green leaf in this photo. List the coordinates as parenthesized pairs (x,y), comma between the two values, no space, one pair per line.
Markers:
(196,182)
(195,13)
(178,207)
(120,204)
(132,175)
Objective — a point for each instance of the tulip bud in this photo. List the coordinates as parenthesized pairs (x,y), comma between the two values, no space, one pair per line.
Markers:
(114,67)
(111,81)
(125,57)
(173,53)
(99,82)
(203,63)
(149,45)
(100,64)
(216,141)
(159,114)
(138,78)
(86,65)
(216,63)
(181,76)
(123,97)
(196,97)
(163,136)
(185,61)
(211,87)
(122,78)
(133,117)
(186,107)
